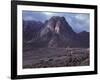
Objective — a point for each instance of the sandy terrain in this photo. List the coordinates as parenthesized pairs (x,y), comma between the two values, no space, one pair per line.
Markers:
(55,57)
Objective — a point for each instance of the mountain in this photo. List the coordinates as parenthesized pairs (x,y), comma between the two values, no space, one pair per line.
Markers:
(55,32)
(84,38)
(31,29)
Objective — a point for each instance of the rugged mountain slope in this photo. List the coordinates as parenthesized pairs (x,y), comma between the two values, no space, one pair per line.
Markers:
(31,29)
(55,32)
(84,38)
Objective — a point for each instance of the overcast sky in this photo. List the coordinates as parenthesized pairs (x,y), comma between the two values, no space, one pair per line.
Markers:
(78,21)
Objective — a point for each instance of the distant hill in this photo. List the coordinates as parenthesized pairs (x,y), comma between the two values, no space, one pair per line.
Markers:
(55,32)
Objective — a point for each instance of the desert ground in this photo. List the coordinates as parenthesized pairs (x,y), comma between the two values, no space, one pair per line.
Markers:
(55,57)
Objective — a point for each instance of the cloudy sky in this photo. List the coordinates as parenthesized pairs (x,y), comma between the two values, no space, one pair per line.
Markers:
(78,21)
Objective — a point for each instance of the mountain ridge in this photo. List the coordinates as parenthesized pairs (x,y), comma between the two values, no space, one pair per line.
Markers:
(55,32)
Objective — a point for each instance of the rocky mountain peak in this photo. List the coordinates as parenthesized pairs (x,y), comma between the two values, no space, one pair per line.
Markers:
(55,32)
(59,25)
